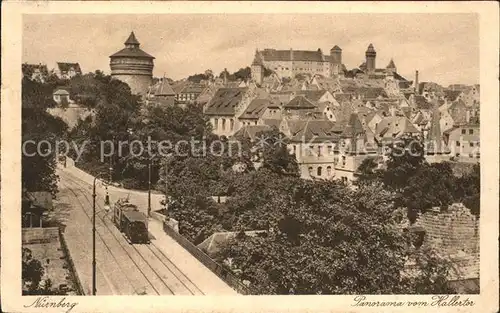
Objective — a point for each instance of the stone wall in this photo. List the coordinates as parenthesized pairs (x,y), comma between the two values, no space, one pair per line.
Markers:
(454,234)
(40,235)
(451,230)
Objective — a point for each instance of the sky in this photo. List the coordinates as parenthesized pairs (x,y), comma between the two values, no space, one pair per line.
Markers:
(444,48)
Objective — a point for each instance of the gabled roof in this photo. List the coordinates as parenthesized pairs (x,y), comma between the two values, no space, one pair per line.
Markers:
(394,127)
(313,95)
(422,103)
(163,88)
(65,67)
(452,95)
(354,127)
(255,109)
(251,131)
(225,101)
(371,92)
(272,122)
(257,60)
(312,130)
(300,102)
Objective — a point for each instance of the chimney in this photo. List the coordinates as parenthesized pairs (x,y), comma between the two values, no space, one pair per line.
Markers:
(416,81)
(225,76)
(291,54)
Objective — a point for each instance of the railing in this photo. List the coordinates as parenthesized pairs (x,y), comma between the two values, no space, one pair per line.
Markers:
(216,268)
(74,276)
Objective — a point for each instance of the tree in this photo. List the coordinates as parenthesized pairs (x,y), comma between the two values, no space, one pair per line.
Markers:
(40,132)
(368,172)
(432,185)
(405,157)
(272,145)
(328,239)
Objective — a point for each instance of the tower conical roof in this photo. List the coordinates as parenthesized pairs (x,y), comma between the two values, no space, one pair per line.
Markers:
(336,48)
(391,64)
(132,40)
(257,60)
(370,48)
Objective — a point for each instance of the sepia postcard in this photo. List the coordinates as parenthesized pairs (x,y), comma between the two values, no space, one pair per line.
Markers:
(249,156)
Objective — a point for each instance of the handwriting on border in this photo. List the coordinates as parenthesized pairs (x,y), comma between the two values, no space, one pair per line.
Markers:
(436,301)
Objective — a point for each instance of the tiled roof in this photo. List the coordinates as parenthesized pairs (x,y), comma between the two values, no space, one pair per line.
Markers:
(342,97)
(224,101)
(353,127)
(162,88)
(29,68)
(65,67)
(300,102)
(133,53)
(394,127)
(179,86)
(312,130)
(313,95)
(289,55)
(422,103)
(371,93)
(452,95)
(132,40)
(257,60)
(272,122)
(255,109)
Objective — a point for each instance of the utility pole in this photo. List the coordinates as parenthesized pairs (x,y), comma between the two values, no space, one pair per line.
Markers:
(149,187)
(93,242)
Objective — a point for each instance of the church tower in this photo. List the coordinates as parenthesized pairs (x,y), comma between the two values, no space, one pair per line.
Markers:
(391,67)
(370,54)
(133,66)
(257,68)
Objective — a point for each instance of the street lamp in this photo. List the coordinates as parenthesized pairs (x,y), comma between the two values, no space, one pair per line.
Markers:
(106,208)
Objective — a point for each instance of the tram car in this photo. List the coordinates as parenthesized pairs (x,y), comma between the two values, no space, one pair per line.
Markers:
(130,221)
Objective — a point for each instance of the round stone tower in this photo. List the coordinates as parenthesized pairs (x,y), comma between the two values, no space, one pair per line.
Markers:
(133,66)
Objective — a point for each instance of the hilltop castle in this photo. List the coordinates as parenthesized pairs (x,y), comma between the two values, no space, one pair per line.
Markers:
(133,66)
(289,63)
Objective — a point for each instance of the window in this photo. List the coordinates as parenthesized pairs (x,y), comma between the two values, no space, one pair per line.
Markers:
(319,151)
(330,150)
(223,123)
(471,144)
(319,171)
(294,149)
(310,170)
(255,122)
(231,124)
(216,123)
(310,150)
(471,131)
(463,131)
(458,143)
(329,171)
(343,160)
(344,180)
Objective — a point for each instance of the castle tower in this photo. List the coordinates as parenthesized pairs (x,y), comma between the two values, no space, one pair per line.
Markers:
(370,54)
(257,68)
(133,66)
(336,57)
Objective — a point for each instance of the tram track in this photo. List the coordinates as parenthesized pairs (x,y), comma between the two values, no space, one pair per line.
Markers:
(159,256)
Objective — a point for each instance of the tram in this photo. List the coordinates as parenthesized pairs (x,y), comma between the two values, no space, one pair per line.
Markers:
(130,221)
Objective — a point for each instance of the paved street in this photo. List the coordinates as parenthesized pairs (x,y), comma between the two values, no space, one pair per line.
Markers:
(161,268)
